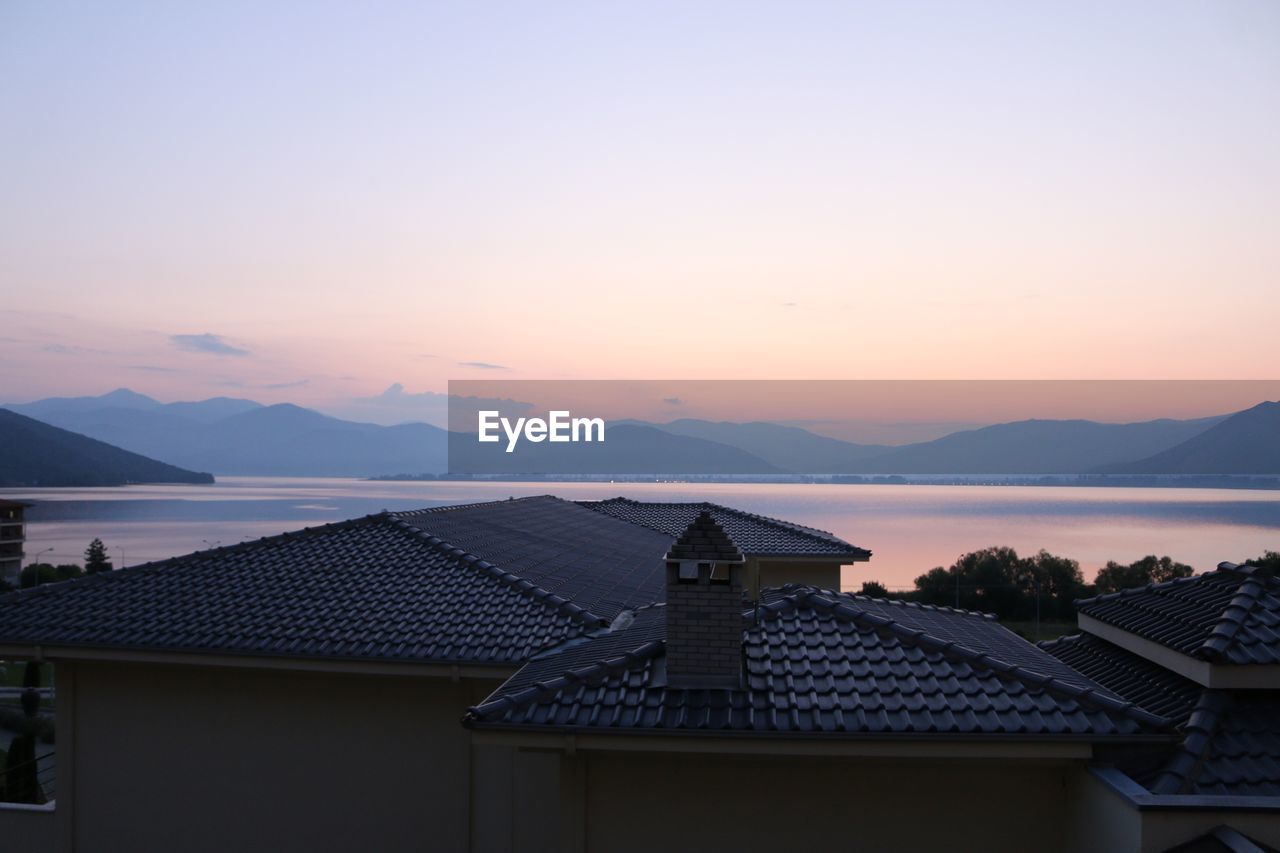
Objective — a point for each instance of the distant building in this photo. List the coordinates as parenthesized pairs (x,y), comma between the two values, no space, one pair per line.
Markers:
(13,534)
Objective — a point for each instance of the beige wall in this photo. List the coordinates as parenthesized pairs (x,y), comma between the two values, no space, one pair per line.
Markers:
(204,758)
(780,573)
(642,802)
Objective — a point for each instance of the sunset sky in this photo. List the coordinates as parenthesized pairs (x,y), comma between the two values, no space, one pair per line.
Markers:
(313,201)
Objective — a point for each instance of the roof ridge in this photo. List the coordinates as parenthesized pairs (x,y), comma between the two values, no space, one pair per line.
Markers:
(920,605)
(777,523)
(449,507)
(525,587)
(1134,590)
(1247,596)
(1086,695)
(153,565)
(541,689)
(1180,770)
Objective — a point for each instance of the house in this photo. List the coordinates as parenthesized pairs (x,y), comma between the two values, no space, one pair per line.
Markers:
(810,718)
(305,691)
(539,674)
(1203,651)
(12,537)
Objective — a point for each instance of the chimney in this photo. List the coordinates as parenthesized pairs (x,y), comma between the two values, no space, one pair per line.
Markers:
(704,607)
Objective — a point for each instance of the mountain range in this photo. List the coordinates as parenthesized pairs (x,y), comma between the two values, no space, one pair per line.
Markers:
(241,437)
(33,453)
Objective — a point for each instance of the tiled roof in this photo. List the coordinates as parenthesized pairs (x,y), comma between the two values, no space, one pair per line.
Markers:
(1230,739)
(601,564)
(483,584)
(817,663)
(1229,616)
(705,540)
(1135,678)
(756,535)
(1231,747)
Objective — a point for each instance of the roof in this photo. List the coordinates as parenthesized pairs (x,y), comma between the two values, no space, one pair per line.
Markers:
(599,562)
(1149,685)
(705,540)
(1221,839)
(480,584)
(756,535)
(1230,740)
(1231,747)
(817,664)
(1228,616)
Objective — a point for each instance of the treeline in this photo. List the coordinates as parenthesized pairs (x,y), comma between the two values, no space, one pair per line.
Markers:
(997,580)
(38,574)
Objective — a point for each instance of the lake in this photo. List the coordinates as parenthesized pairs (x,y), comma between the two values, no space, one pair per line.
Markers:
(909,528)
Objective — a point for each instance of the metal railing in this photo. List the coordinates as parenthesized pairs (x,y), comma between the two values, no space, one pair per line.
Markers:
(31,781)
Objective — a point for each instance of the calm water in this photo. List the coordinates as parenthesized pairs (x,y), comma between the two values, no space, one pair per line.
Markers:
(909,528)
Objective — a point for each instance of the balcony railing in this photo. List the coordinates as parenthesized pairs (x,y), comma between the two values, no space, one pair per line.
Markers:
(32,782)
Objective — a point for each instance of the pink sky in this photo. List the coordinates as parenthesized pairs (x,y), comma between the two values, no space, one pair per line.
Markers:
(344,198)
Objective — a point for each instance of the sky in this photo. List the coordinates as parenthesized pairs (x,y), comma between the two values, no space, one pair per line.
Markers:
(347,205)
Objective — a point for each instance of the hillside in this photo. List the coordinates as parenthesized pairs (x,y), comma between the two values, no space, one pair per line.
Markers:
(33,453)
(629,448)
(1034,447)
(233,436)
(785,447)
(1248,442)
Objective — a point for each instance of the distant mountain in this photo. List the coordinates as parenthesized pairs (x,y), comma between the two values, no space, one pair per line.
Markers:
(233,436)
(290,441)
(1035,447)
(785,447)
(1248,442)
(628,448)
(33,453)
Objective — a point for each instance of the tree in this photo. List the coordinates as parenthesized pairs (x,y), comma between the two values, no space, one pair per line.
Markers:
(1114,576)
(874,589)
(37,574)
(95,558)
(1270,561)
(1061,583)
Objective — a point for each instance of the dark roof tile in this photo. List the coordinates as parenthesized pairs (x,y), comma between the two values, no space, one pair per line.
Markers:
(816,663)
(1228,616)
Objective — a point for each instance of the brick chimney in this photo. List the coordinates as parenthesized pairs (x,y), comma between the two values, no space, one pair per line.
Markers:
(704,607)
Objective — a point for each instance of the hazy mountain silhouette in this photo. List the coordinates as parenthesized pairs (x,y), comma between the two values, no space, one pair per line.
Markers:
(33,453)
(233,436)
(628,448)
(1248,442)
(1035,447)
(786,447)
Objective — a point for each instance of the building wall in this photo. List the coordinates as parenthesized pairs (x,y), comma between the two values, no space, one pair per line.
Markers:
(641,802)
(205,758)
(26,828)
(781,572)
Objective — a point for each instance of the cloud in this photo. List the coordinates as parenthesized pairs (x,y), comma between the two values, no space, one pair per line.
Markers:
(151,368)
(673,401)
(482,365)
(206,343)
(297,383)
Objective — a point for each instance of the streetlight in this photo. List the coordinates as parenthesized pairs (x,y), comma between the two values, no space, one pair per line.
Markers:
(36,573)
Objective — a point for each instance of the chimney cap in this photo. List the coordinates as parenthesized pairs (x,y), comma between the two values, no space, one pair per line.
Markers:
(705,541)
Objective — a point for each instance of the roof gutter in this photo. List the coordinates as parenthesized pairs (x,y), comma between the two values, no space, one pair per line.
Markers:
(451,670)
(802,744)
(1139,798)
